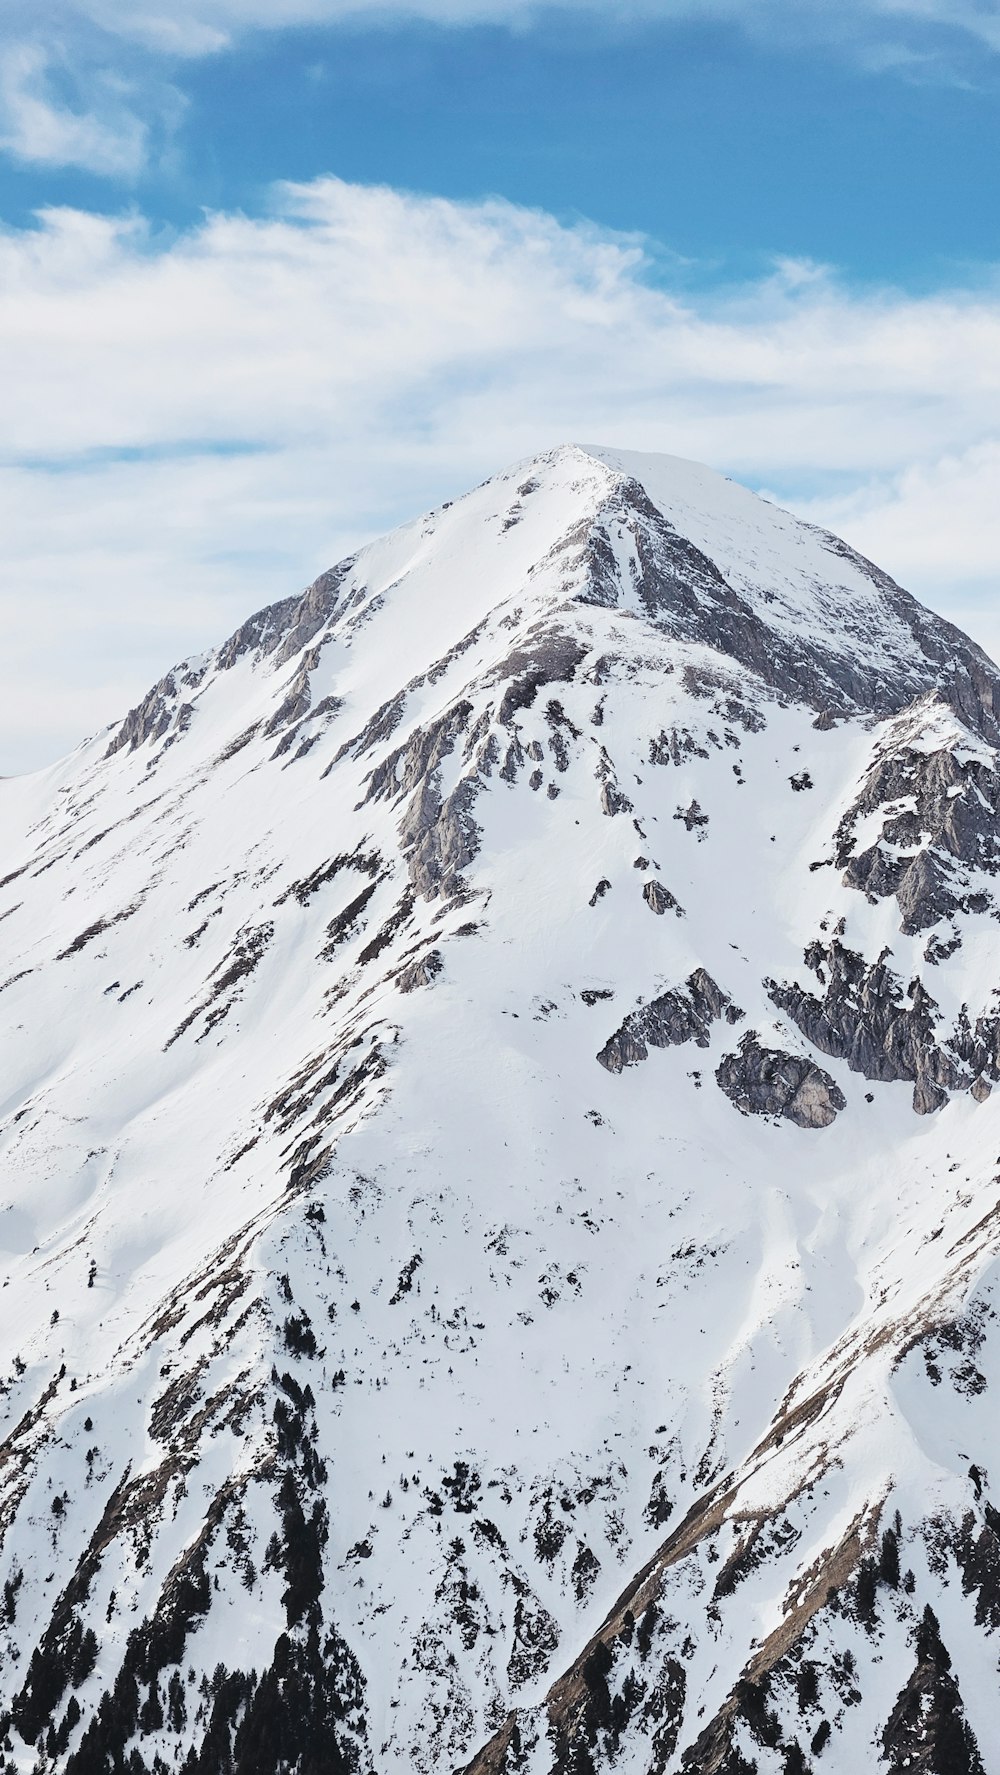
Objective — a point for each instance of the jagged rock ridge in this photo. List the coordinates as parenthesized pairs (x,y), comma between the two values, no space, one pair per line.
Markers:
(478,1293)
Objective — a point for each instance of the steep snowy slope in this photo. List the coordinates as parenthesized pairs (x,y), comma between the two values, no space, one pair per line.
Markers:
(501,1195)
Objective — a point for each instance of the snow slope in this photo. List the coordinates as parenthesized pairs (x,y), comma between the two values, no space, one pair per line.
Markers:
(500,1183)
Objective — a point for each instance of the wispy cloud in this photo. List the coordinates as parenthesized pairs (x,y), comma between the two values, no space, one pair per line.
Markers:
(979,19)
(78,102)
(196,425)
(92,90)
(197,26)
(100,132)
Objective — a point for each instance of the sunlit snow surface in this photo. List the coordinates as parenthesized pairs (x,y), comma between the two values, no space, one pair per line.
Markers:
(221,1111)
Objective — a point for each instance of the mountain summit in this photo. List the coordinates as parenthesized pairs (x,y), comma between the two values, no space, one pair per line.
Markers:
(501,1205)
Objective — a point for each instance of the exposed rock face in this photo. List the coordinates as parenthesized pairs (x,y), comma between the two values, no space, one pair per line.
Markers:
(887,1032)
(551,656)
(385,1387)
(420,972)
(940,820)
(669,1020)
(883,1031)
(659,899)
(162,714)
(766,1082)
(283,629)
(437,833)
(679,587)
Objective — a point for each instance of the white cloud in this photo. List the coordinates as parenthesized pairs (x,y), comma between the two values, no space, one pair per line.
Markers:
(195,425)
(87,90)
(198,26)
(103,134)
(980,19)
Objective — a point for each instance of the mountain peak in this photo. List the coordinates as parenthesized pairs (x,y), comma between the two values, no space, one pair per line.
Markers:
(501,1227)
(694,558)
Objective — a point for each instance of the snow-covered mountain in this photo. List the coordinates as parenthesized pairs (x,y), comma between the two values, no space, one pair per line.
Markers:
(501,1194)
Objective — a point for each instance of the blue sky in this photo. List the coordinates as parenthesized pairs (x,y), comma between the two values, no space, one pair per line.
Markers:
(878,150)
(277,273)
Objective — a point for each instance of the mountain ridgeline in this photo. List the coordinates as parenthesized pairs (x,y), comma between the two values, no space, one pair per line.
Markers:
(501,1169)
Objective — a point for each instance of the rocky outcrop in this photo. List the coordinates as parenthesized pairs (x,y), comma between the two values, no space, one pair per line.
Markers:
(437,834)
(283,629)
(289,625)
(552,657)
(683,1015)
(313,611)
(420,972)
(938,796)
(160,710)
(681,589)
(295,704)
(767,1082)
(883,1030)
(659,899)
